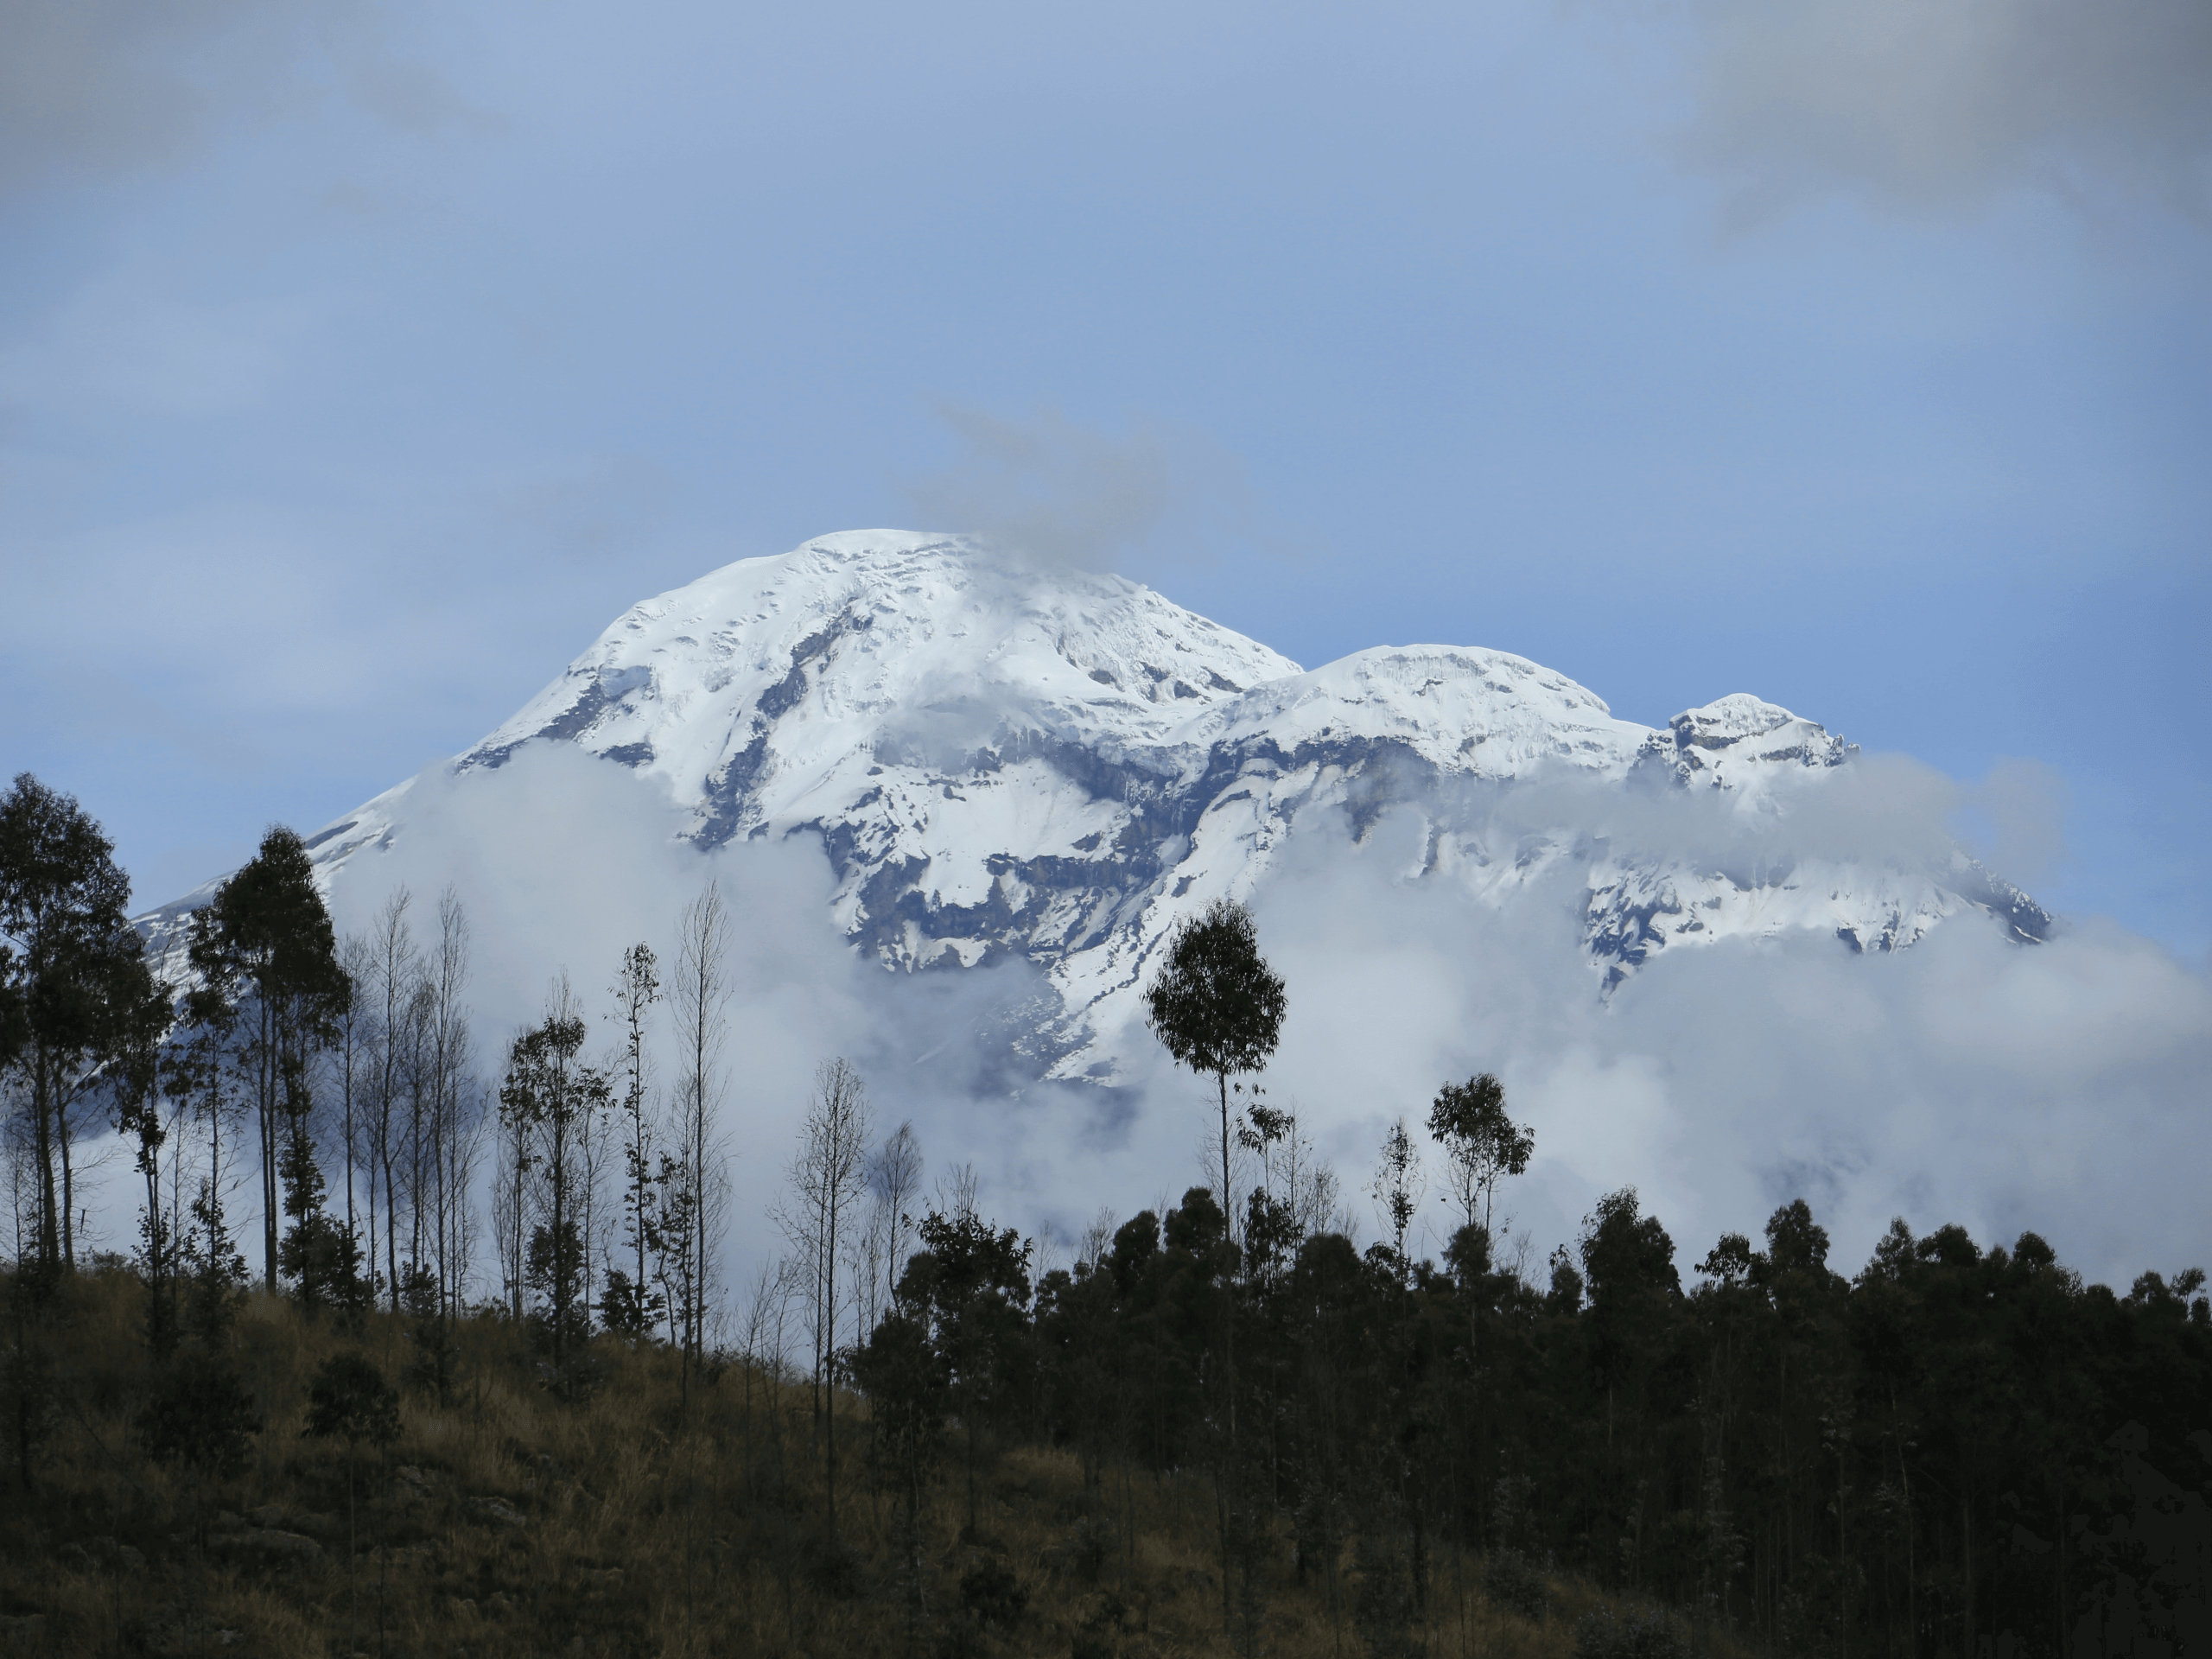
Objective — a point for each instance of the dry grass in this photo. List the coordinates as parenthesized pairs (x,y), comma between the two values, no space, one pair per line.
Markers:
(510,1522)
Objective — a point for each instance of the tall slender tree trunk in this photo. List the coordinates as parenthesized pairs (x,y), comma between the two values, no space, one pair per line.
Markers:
(266,1077)
(49,1240)
(68,1188)
(829,1380)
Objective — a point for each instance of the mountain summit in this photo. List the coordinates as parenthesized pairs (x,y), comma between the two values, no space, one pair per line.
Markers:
(1000,760)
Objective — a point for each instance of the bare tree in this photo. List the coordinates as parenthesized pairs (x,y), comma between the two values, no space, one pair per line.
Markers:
(699,996)
(349,1059)
(956,1192)
(510,1210)
(1097,1240)
(453,1122)
(826,1179)
(1398,1186)
(767,1311)
(629,1306)
(388,994)
(1308,1182)
(894,1180)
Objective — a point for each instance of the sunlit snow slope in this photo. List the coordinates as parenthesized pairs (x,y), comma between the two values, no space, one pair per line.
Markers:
(1003,759)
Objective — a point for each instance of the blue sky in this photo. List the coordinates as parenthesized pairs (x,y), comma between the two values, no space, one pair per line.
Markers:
(358,362)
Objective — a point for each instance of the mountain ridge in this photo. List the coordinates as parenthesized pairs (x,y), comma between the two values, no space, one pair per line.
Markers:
(1002,760)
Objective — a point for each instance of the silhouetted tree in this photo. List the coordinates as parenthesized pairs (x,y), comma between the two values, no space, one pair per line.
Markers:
(76,995)
(967,1288)
(630,1304)
(1217,1005)
(1481,1144)
(548,1097)
(268,960)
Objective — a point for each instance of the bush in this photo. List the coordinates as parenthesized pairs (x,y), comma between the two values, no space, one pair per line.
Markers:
(200,1415)
(1511,1581)
(833,1569)
(991,1595)
(349,1399)
(1087,1547)
(1607,1635)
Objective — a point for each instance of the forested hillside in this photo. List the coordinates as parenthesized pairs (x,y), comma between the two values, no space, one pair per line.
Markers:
(489,1388)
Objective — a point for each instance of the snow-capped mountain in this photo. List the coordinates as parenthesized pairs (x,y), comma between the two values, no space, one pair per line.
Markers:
(1003,761)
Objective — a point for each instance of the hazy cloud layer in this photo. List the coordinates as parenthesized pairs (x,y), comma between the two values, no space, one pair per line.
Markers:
(89,86)
(2057,1087)
(1935,105)
(1968,1079)
(1058,491)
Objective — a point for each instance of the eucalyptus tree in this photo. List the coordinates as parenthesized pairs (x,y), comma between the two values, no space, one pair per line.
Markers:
(699,997)
(264,945)
(1217,1005)
(449,1115)
(1397,1189)
(1218,1008)
(388,990)
(1482,1145)
(631,1305)
(827,1175)
(76,994)
(547,1102)
(967,1290)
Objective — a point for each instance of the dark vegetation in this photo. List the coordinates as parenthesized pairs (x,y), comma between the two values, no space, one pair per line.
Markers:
(1201,1433)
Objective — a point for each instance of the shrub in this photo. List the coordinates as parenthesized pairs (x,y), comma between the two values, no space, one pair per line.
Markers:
(991,1595)
(1511,1581)
(201,1416)
(349,1399)
(1604,1634)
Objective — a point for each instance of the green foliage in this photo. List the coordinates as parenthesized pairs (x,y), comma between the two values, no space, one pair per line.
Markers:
(323,1259)
(991,1596)
(269,999)
(200,1415)
(1511,1581)
(551,1099)
(214,1271)
(76,996)
(1603,1633)
(1482,1144)
(349,1399)
(1786,1452)
(429,1332)
(1217,1006)
(629,1309)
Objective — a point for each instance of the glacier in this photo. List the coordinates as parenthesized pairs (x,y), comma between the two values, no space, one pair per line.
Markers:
(1005,760)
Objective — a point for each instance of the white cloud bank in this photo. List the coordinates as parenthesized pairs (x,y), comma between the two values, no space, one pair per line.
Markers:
(2059,1087)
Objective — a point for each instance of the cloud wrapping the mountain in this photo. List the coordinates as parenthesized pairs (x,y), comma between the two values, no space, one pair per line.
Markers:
(562,860)
(2054,1087)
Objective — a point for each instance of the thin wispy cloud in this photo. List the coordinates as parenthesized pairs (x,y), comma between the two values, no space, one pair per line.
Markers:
(1056,492)
(1934,106)
(91,87)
